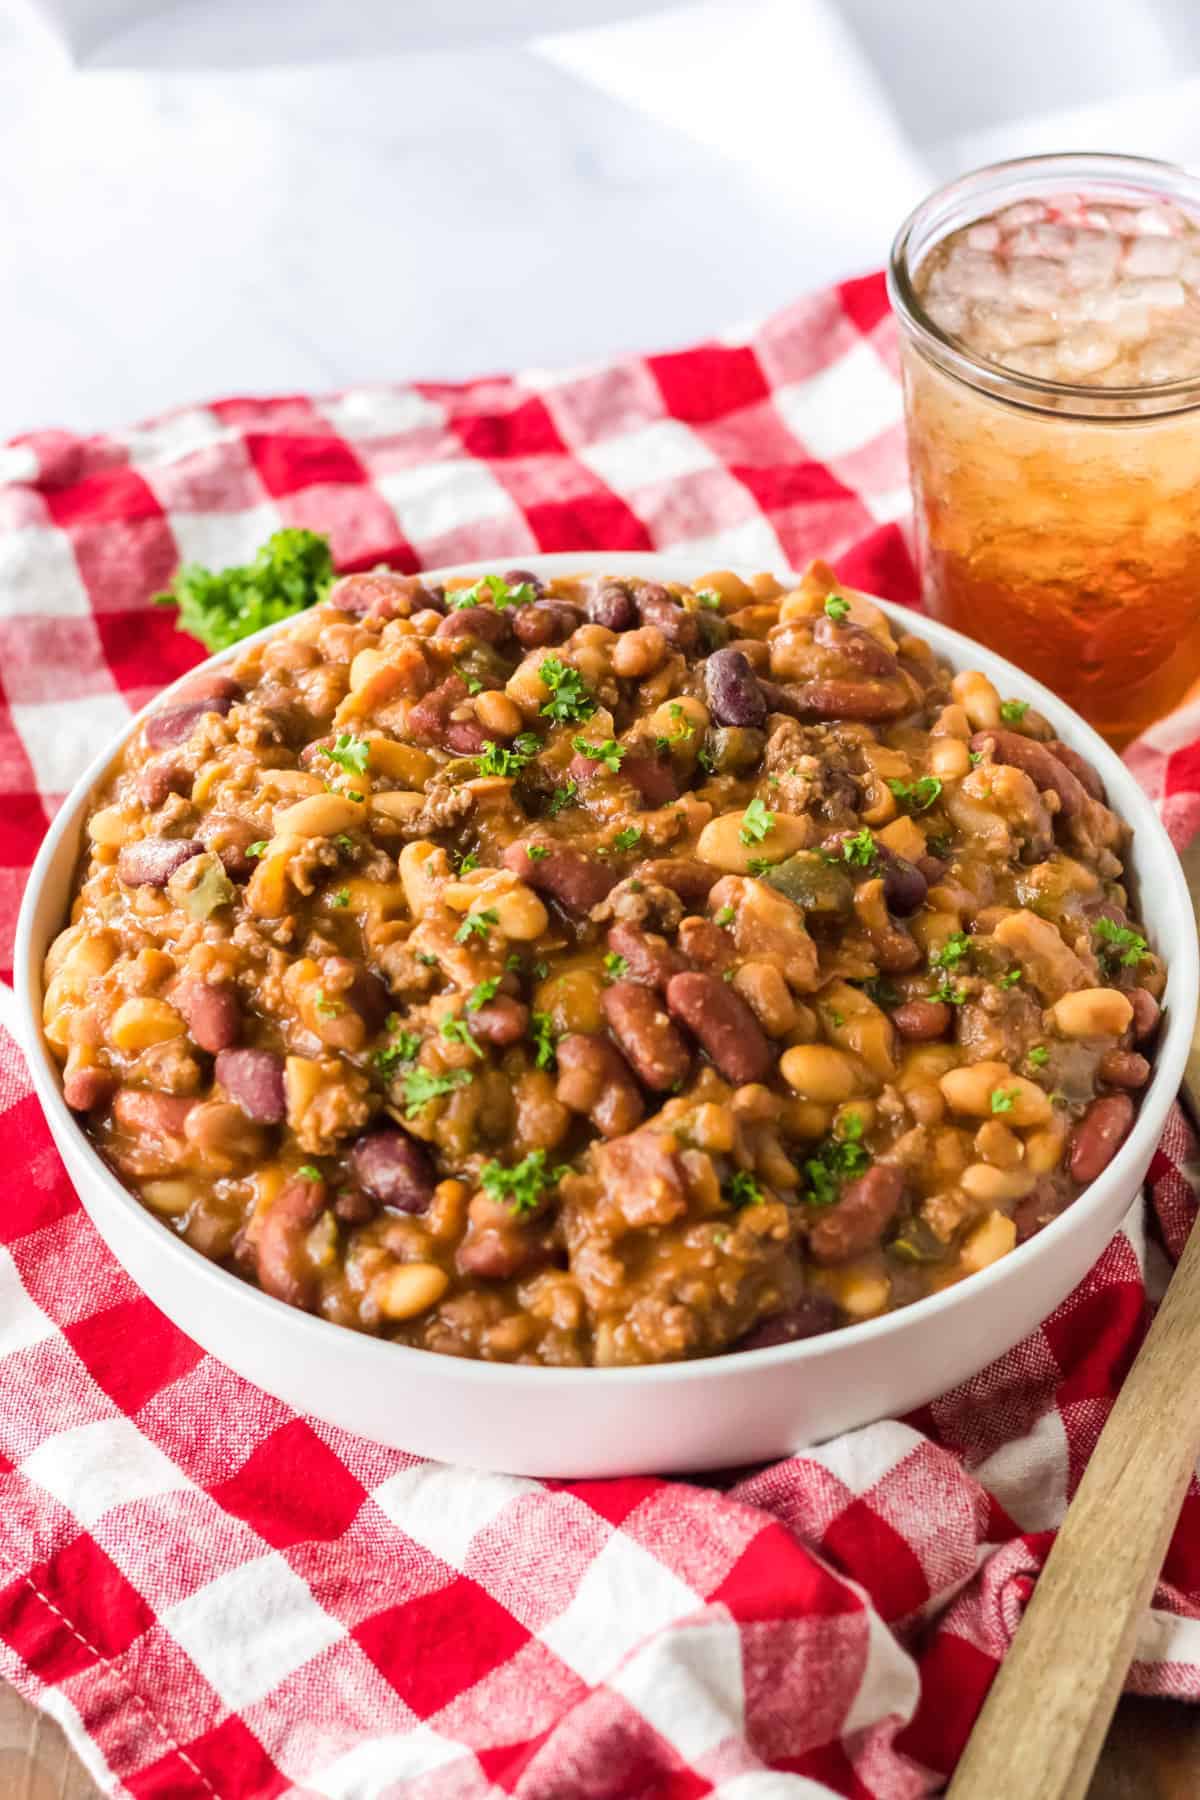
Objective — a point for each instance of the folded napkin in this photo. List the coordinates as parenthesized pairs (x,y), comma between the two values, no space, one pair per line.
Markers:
(221,1600)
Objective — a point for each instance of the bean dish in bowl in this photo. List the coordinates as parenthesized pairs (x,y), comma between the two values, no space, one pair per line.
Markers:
(600,970)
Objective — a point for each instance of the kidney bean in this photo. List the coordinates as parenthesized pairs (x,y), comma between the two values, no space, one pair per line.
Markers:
(369,998)
(732,691)
(174,724)
(779,699)
(280,1249)
(650,958)
(213,1015)
(379,594)
(429,720)
(254,1080)
(497,1254)
(613,607)
(230,838)
(353,1207)
(209,684)
(394,1169)
(692,881)
(161,776)
(1124,1069)
(857,646)
(151,861)
(500,1021)
(546,622)
(656,607)
(920,1021)
(806,1317)
(575,881)
(867,701)
(653,777)
(482,622)
(594,1079)
(1080,768)
(156,1120)
(867,1207)
(85,1089)
(904,886)
(933,868)
(525,578)
(732,1037)
(1050,1196)
(705,945)
(655,1047)
(1039,763)
(1146,1014)
(1098,1136)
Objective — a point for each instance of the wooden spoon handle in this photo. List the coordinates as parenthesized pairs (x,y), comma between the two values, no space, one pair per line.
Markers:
(1043,1723)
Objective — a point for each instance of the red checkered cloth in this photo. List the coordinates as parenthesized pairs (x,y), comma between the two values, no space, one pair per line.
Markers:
(221,1600)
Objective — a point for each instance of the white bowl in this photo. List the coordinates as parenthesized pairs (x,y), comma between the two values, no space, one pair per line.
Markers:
(719,1412)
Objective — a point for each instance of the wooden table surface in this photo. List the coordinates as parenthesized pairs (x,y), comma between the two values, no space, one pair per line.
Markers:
(1152,1751)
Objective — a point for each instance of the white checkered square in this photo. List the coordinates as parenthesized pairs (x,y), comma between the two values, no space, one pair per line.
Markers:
(688,1684)
(22,1321)
(180,434)
(219,539)
(61,737)
(661,451)
(378,1765)
(242,1663)
(435,499)
(625,1596)
(843,406)
(39,574)
(751,544)
(436,1507)
(381,412)
(98,1466)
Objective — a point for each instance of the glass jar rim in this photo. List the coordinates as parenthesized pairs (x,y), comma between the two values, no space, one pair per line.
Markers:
(1000,183)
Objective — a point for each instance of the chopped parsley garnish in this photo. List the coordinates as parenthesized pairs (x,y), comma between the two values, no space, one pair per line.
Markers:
(615,967)
(757,823)
(348,752)
(1013,711)
(341,898)
(421,1086)
(570,701)
(541,1030)
(859,850)
(1114,939)
(328,1009)
(537,852)
(881,992)
(1010,980)
(473,683)
(457,1031)
(609,752)
(523,1185)
(707,760)
(708,599)
(482,992)
(917,796)
(836,1018)
(948,993)
(289,573)
(259,848)
(563,797)
(725,916)
(835,1160)
(836,608)
(742,1189)
(540,970)
(627,839)
(951,953)
(684,728)
(464,863)
(404,1048)
(758,865)
(477,924)
(430,961)
(975,757)
(345,843)
(940,845)
(310,1172)
(502,759)
(1002,1099)
(1039,1056)
(495,589)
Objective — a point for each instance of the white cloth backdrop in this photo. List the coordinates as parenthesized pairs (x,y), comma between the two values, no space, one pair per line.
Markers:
(207,196)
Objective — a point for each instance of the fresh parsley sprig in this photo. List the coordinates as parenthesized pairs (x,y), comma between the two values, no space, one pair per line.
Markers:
(289,573)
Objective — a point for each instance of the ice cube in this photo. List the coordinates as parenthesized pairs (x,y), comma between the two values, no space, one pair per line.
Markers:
(1084,352)
(1153,256)
(984,236)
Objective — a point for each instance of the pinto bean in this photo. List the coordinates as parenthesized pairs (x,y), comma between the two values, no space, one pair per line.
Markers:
(691,880)
(86,1089)
(866,1208)
(641,1026)
(161,776)
(254,1080)
(656,606)
(1080,768)
(732,691)
(1146,1014)
(151,861)
(174,724)
(856,645)
(806,1317)
(594,1079)
(651,959)
(546,622)
(867,701)
(481,622)
(394,1169)
(920,1021)
(1124,1069)
(1038,762)
(574,880)
(1098,1136)
(500,1021)
(654,778)
(732,1037)
(283,1269)
(380,594)
(613,606)
(213,1015)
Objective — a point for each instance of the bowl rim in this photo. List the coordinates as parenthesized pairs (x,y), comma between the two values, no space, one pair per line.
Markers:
(1183,973)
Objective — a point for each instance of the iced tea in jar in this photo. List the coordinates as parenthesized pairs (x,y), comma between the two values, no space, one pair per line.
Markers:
(1049,315)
